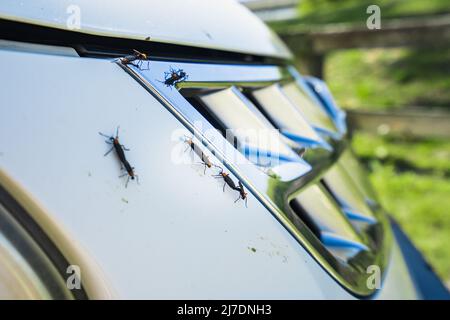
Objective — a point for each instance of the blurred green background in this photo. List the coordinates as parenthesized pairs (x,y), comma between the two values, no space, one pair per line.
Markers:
(410,174)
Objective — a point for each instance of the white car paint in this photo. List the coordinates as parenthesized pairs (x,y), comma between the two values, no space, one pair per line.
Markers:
(215,24)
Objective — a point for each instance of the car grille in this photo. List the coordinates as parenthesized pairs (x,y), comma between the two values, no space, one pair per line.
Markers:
(307,179)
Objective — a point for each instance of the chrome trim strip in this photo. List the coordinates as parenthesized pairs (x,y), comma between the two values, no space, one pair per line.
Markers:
(320,94)
(292,123)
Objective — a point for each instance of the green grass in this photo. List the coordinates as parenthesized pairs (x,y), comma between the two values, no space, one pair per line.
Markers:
(419,200)
(318,12)
(389,78)
(426,157)
(380,78)
(329,11)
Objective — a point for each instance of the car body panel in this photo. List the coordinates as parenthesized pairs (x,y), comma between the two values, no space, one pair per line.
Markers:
(222,25)
(177,231)
(174,235)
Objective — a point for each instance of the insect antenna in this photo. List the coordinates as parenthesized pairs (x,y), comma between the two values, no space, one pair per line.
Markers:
(104,135)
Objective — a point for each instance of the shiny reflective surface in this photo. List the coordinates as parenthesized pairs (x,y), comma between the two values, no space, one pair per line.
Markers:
(357,174)
(348,195)
(318,92)
(334,230)
(340,250)
(314,114)
(234,112)
(287,117)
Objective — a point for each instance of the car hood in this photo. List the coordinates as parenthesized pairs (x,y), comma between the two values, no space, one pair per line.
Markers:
(223,25)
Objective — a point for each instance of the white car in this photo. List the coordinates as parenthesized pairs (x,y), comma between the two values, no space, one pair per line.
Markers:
(188,203)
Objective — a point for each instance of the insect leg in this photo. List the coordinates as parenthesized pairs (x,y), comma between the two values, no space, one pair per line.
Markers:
(148,65)
(202,164)
(219,175)
(108,151)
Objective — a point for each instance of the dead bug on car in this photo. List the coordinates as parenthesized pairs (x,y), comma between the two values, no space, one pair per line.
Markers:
(199,152)
(120,151)
(174,76)
(137,55)
(226,177)
(114,141)
(242,193)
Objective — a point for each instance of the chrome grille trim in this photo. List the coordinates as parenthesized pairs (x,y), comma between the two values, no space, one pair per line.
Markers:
(274,194)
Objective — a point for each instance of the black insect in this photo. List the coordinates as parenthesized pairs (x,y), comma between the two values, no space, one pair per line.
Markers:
(174,76)
(198,151)
(242,193)
(120,151)
(137,55)
(226,177)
